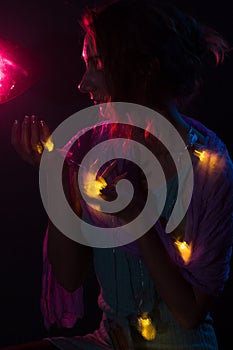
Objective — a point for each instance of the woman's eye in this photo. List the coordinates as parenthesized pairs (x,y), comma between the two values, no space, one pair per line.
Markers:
(94,62)
(98,64)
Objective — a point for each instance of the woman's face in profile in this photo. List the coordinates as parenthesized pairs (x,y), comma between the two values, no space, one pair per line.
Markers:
(93,80)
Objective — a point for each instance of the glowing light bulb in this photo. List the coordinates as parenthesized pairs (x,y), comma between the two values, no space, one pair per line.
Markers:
(94,186)
(19,70)
(48,145)
(185,250)
(209,159)
(200,154)
(145,327)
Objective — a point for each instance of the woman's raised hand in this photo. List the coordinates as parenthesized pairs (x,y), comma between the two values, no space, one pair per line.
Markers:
(29,137)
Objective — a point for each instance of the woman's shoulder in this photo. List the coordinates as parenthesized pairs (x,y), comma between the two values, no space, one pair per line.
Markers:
(210,140)
(212,165)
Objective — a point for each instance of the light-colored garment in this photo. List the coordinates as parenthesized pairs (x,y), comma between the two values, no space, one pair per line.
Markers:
(209,228)
(120,278)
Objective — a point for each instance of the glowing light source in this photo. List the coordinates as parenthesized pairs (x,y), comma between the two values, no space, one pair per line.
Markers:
(210,159)
(18,70)
(146,327)
(185,250)
(94,186)
(7,83)
(48,145)
(200,154)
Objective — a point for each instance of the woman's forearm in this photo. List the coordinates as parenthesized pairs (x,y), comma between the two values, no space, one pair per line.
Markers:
(70,260)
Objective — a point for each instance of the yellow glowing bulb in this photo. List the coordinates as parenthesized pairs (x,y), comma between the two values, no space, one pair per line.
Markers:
(94,186)
(184,249)
(49,145)
(145,321)
(210,159)
(100,184)
(201,155)
(149,333)
(145,327)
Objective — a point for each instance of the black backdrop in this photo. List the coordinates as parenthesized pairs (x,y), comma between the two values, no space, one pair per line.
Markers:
(50,30)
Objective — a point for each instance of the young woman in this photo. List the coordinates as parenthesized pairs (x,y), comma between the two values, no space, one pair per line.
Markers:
(152,295)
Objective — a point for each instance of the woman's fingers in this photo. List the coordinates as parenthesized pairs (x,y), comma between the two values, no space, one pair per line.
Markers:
(26,136)
(15,135)
(28,139)
(16,141)
(44,132)
(35,135)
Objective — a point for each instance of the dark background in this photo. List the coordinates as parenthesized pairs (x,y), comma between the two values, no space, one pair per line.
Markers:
(50,30)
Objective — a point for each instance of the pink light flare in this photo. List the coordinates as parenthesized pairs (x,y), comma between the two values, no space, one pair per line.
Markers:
(19,70)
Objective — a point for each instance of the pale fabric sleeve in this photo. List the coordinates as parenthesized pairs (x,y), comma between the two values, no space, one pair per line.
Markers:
(210,228)
(58,306)
(209,221)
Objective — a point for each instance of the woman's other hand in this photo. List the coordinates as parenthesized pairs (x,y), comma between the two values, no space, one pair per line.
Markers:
(29,137)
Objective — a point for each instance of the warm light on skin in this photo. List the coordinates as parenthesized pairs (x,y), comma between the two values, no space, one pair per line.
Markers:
(185,250)
(146,328)
(39,148)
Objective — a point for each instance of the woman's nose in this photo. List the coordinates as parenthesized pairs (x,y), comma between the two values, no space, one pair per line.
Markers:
(84,85)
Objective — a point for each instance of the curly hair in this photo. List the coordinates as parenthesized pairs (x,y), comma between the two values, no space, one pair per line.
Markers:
(148,46)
